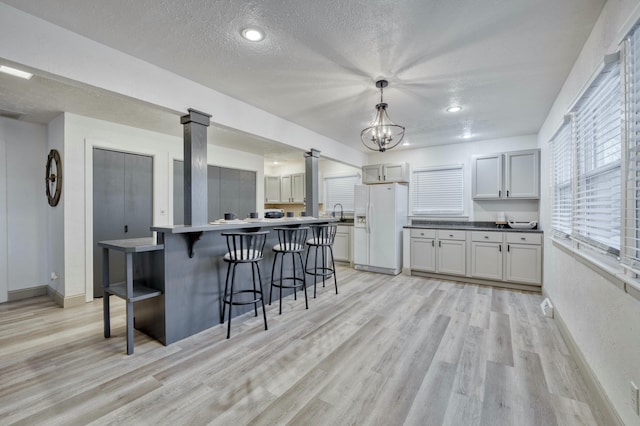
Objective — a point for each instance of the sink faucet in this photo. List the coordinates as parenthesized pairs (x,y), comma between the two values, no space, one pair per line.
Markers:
(341,211)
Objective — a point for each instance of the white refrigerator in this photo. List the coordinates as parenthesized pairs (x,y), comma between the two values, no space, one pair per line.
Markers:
(380,213)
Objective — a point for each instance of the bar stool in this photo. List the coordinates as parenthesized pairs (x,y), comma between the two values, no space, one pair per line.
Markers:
(290,241)
(243,248)
(322,240)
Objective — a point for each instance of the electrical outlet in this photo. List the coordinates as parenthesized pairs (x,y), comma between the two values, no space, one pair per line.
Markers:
(547,308)
(635,399)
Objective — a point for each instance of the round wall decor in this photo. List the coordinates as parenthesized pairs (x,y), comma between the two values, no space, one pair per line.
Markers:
(53,178)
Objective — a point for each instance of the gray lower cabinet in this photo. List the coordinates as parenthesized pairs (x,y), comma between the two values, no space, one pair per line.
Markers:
(438,251)
(342,244)
(122,206)
(524,258)
(507,257)
(228,191)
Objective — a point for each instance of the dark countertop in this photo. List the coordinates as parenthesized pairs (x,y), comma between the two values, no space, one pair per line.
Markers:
(132,245)
(241,224)
(469,226)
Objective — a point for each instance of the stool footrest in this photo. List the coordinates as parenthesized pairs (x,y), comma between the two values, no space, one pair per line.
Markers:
(248,302)
(274,283)
(321,272)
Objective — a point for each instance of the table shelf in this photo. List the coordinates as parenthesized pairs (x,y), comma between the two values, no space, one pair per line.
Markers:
(140,292)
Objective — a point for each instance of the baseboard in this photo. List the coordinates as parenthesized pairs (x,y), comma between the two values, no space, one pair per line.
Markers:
(65,302)
(469,280)
(600,398)
(26,293)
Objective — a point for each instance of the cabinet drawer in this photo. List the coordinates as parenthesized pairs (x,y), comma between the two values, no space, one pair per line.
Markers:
(423,233)
(494,237)
(523,238)
(452,235)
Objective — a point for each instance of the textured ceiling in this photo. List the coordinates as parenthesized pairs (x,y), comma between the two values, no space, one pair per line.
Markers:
(502,60)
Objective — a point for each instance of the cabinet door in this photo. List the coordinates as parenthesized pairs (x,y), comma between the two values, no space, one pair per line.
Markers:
(393,173)
(423,254)
(486,260)
(272,189)
(522,174)
(371,174)
(297,188)
(285,189)
(524,263)
(487,176)
(452,257)
(341,247)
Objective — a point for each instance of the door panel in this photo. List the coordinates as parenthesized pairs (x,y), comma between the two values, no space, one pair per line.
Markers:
(178,192)
(138,195)
(382,247)
(213,193)
(108,213)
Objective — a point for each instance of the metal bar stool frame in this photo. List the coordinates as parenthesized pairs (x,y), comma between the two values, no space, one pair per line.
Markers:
(290,241)
(243,248)
(323,237)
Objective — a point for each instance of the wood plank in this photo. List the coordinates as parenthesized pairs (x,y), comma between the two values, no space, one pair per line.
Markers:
(386,350)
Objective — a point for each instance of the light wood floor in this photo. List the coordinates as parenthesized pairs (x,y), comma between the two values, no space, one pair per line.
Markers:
(385,351)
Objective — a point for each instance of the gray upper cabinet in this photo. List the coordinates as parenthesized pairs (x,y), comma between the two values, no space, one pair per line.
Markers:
(292,188)
(383,173)
(272,189)
(522,174)
(487,176)
(509,175)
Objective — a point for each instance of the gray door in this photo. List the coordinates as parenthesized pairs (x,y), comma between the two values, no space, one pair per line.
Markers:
(228,191)
(122,206)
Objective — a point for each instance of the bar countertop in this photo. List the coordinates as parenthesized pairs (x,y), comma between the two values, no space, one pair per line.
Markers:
(223,225)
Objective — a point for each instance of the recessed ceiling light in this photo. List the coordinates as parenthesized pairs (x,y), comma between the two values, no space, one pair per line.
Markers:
(16,73)
(252,34)
(466,135)
(406,143)
(275,162)
(454,108)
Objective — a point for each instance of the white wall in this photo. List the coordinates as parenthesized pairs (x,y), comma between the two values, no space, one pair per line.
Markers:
(461,153)
(81,135)
(23,211)
(602,319)
(55,215)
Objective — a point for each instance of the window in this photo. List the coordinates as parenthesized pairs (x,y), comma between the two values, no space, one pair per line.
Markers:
(437,191)
(596,125)
(561,178)
(631,246)
(340,189)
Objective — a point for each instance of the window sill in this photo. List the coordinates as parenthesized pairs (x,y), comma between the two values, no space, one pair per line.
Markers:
(606,269)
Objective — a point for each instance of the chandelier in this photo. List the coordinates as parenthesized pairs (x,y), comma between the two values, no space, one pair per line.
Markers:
(383,134)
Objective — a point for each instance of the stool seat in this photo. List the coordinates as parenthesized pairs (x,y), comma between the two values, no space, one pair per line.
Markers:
(243,256)
(243,248)
(291,241)
(290,248)
(323,237)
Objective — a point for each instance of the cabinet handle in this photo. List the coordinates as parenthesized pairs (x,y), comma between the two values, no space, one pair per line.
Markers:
(378,177)
(486,237)
(507,193)
(384,177)
(451,235)
(499,193)
(126,228)
(508,247)
(500,248)
(433,243)
(523,238)
(439,243)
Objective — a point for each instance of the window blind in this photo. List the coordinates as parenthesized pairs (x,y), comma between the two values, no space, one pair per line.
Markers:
(597,128)
(562,167)
(340,189)
(631,252)
(437,191)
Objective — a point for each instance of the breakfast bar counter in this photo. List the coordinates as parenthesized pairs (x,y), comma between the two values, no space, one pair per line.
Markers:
(190,274)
